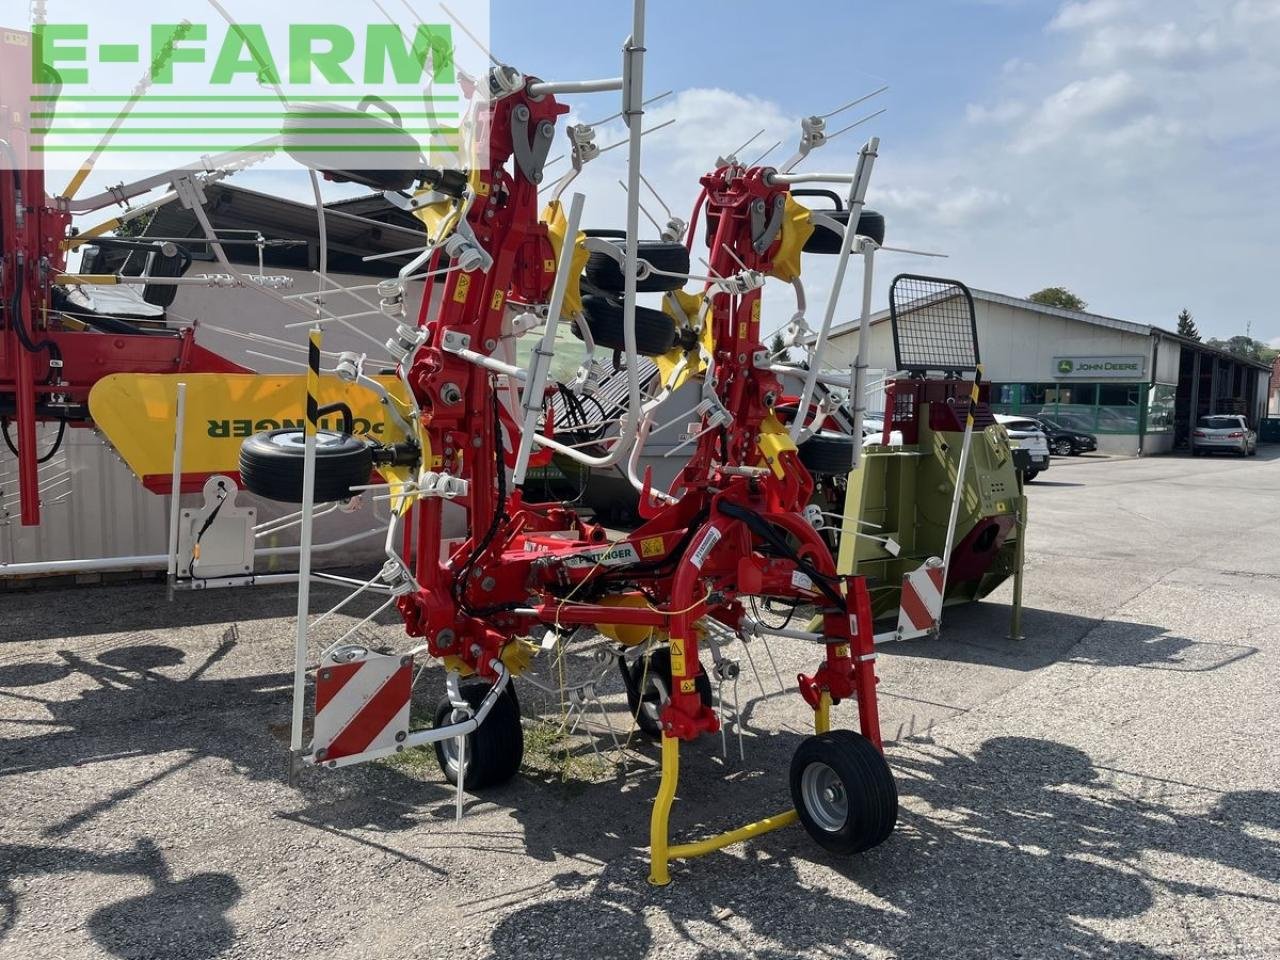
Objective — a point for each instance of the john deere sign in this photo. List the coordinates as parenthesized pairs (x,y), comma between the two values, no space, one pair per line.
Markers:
(1093,368)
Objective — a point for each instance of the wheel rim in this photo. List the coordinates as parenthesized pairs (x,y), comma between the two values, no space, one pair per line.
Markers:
(824,795)
(654,699)
(449,749)
(294,441)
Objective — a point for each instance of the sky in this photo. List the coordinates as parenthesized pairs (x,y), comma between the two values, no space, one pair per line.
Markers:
(1128,150)
(1124,149)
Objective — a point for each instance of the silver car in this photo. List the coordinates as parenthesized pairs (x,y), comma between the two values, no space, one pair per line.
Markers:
(1226,432)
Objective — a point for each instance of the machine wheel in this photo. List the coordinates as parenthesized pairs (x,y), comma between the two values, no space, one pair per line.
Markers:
(655,333)
(1030,475)
(822,240)
(605,273)
(494,749)
(1062,448)
(843,791)
(646,705)
(271,465)
(827,452)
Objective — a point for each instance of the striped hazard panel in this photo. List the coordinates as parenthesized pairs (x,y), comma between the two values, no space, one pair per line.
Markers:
(362,707)
(921,605)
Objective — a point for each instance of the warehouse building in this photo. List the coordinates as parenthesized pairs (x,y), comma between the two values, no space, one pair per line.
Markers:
(1138,388)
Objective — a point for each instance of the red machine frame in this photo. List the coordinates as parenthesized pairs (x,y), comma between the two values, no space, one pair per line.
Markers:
(737,530)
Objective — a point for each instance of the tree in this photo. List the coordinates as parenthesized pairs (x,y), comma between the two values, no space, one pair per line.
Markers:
(778,346)
(1187,326)
(135,227)
(1058,297)
(1244,347)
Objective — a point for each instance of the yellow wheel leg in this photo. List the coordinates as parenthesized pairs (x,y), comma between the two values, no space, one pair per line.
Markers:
(658,835)
(822,716)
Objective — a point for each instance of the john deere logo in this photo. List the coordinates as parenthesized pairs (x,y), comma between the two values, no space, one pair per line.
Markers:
(1066,366)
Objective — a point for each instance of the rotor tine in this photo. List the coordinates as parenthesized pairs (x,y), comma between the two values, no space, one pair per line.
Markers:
(752,660)
(724,748)
(854,103)
(856,123)
(782,687)
(737,723)
(604,715)
(750,140)
(656,196)
(642,209)
(756,161)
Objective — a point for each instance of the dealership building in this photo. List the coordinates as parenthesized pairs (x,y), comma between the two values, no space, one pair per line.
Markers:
(1136,387)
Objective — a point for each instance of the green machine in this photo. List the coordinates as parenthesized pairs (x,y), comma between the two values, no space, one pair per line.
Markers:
(940,493)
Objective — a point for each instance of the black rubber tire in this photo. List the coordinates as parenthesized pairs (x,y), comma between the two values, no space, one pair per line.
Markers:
(828,452)
(822,240)
(1030,475)
(605,273)
(495,749)
(271,465)
(655,333)
(1062,448)
(657,682)
(867,783)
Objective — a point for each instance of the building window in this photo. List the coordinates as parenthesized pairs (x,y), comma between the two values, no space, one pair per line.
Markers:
(1161,408)
(1087,407)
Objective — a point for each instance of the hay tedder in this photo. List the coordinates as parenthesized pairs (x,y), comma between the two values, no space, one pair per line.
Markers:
(465,422)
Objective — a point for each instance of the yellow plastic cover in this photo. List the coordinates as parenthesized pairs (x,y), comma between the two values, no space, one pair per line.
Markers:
(135,411)
(774,439)
(557,225)
(796,230)
(694,307)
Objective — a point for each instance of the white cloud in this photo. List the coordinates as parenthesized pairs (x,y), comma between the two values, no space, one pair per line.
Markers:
(1081,106)
(1088,13)
(1006,111)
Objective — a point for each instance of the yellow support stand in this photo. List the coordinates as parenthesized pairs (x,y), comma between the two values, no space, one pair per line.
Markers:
(661,852)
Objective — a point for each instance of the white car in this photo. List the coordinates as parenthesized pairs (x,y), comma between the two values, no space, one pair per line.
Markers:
(1025,435)
(1223,431)
(873,433)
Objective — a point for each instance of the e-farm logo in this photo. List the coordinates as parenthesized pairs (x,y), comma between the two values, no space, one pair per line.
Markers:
(313,51)
(134,89)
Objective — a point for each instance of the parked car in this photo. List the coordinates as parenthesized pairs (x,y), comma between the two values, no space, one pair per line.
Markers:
(1063,441)
(1031,447)
(1223,432)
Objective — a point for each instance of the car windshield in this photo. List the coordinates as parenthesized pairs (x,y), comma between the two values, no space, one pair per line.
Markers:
(1022,425)
(1051,424)
(1220,423)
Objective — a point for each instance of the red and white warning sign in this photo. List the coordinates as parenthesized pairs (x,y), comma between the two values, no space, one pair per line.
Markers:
(362,707)
(920,608)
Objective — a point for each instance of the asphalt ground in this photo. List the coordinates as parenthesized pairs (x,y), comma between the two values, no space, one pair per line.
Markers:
(1106,787)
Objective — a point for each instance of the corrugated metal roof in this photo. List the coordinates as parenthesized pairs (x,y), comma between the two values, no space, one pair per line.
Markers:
(236,208)
(1080,316)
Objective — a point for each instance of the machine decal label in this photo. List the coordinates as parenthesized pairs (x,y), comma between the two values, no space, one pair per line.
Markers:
(463,286)
(699,556)
(677,656)
(651,547)
(615,555)
(498,298)
(801,580)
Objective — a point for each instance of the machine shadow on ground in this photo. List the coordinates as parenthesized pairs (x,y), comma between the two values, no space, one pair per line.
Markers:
(1051,636)
(985,847)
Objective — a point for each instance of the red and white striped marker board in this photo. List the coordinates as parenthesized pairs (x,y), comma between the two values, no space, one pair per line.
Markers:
(920,608)
(362,708)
